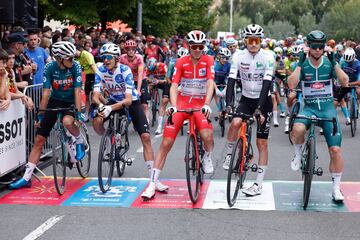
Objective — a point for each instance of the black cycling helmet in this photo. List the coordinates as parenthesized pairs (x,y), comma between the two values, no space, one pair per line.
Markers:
(316,36)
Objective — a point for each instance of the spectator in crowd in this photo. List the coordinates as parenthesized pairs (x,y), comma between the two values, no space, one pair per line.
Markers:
(37,55)
(56,38)
(88,66)
(4,90)
(15,93)
(23,66)
(47,32)
(45,43)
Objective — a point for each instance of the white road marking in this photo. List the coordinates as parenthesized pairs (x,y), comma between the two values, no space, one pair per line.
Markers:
(43,228)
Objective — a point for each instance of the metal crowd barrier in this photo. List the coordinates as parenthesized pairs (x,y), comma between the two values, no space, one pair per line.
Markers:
(35,92)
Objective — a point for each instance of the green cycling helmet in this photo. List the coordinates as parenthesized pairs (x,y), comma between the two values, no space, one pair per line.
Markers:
(316,36)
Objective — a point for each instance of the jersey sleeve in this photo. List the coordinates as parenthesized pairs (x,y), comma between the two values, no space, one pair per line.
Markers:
(98,81)
(269,67)
(76,72)
(47,76)
(210,69)
(234,68)
(177,72)
(128,78)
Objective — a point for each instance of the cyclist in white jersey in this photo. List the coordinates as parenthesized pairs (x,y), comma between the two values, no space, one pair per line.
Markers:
(255,67)
(118,81)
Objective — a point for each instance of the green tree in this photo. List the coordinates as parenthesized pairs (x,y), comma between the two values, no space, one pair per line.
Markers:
(86,12)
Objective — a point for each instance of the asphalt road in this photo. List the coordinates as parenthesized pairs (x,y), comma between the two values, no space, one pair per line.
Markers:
(129,223)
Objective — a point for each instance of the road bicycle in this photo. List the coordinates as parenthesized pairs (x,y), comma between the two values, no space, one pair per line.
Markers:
(114,145)
(353,106)
(241,158)
(154,101)
(193,154)
(62,143)
(309,156)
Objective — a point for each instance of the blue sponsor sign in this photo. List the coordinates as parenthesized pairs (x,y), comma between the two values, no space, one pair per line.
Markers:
(121,194)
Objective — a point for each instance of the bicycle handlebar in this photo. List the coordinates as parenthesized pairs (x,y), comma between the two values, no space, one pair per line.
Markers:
(315,120)
(189,111)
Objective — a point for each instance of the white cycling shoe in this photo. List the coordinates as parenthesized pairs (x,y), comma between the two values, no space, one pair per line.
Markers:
(254,190)
(161,187)
(296,163)
(337,195)
(149,191)
(227,162)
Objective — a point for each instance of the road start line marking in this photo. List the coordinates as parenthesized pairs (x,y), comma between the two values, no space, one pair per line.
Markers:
(43,228)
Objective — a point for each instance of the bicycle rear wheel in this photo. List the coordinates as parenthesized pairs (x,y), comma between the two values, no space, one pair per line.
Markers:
(222,123)
(106,161)
(294,111)
(353,117)
(154,107)
(59,162)
(83,166)
(193,174)
(308,171)
(235,178)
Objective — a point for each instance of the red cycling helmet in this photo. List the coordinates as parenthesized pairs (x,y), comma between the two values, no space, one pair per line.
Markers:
(216,42)
(130,44)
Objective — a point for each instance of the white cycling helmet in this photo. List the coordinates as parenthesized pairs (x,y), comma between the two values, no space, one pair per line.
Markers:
(182,52)
(297,49)
(278,50)
(225,52)
(63,49)
(230,42)
(110,48)
(196,37)
(349,55)
(253,30)
(339,47)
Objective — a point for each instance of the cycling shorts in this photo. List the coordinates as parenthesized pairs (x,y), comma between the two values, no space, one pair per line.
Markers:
(326,126)
(50,118)
(89,83)
(138,118)
(170,131)
(145,95)
(249,105)
(340,92)
(165,87)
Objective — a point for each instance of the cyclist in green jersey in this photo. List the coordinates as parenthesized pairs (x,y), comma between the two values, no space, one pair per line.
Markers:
(315,74)
(61,89)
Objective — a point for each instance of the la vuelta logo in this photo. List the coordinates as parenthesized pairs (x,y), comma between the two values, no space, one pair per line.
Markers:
(318,85)
(10,129)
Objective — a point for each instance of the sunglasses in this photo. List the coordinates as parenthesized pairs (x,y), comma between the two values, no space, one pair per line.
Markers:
(69,59)
(251,41)
(107,57)
(231,46)
(197,47)
(317,46)
(223,57)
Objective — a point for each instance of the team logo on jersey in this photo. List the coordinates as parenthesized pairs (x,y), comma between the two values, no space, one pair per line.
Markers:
(202,72)
(317,85)
(259,65)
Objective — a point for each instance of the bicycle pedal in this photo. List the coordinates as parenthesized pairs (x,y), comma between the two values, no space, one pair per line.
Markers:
(319,172)
(254,167)
(129,161)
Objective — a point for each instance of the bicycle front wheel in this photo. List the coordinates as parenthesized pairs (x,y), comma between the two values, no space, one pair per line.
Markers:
(308,171)
(353,117)
(106,161)
(59,163)
(236,175)
(295,110)
(192,164)
(154,107)
(83,166)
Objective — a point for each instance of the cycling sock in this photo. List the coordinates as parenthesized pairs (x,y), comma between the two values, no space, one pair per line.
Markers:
(155,175)
(281,106)
(345,112)
(297,148)
(229,147)
(275,115)
(207,155)
(261,174)
(29,169)
(160,120)
(149,165)
(79,139)
(336,178)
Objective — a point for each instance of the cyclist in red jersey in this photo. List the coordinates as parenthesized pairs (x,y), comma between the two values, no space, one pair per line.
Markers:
(155,74)
(153,50)
(136,64)
(195,74)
